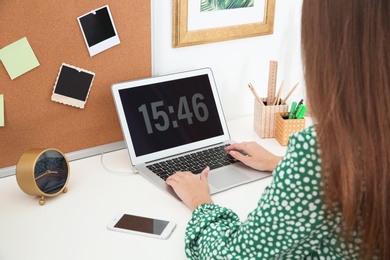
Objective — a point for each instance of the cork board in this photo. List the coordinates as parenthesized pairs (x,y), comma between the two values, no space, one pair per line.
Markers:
(32,120)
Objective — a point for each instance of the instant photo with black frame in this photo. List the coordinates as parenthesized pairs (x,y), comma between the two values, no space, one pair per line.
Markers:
(98,30)
(72,86)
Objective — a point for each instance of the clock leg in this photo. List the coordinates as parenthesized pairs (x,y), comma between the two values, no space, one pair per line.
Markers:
(65,189)
(42,201)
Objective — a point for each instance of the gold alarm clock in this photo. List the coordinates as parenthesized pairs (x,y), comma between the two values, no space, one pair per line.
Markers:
(43,172)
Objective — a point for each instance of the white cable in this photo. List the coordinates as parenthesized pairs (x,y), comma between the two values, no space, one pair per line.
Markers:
(132,170)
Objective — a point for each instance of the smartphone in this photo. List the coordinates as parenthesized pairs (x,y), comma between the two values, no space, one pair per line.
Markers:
(139,225)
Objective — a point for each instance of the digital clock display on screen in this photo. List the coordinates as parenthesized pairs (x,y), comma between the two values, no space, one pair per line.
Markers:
(167,114)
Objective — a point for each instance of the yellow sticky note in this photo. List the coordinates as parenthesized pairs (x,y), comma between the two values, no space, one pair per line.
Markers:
(1,110)
(18,58)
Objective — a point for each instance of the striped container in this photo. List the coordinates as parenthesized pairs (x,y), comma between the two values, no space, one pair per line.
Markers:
(264,118)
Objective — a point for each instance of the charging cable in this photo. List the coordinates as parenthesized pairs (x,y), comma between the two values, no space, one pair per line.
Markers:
(131,171)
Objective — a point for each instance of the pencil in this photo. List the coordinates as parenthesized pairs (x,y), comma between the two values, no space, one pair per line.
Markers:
(289,93)
(276,100)
(255,94)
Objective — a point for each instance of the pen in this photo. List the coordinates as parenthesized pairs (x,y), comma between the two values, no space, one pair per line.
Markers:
(255,94)
(300,103)
(293,106)
(301,111)
(297,108)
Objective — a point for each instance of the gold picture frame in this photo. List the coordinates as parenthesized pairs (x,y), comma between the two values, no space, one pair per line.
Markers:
(181,36)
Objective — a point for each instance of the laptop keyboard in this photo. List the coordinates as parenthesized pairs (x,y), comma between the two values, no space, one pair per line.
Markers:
(215,157)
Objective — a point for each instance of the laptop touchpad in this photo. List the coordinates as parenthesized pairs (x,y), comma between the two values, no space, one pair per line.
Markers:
(226,178)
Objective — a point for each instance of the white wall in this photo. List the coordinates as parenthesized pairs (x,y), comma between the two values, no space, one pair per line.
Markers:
(235,63)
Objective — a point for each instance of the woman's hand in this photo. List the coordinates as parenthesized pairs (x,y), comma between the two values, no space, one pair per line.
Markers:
(192,189)
(256,156)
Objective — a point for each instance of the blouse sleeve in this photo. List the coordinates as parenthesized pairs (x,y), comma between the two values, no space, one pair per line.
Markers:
(288,222)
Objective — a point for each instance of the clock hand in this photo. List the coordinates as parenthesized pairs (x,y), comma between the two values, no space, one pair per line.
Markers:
(45,173)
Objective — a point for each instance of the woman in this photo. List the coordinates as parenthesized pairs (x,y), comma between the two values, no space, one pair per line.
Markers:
(330,195)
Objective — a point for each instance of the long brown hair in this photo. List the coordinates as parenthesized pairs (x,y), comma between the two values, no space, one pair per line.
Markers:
(346,57)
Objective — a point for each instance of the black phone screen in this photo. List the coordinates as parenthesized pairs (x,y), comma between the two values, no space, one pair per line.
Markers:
(142,224)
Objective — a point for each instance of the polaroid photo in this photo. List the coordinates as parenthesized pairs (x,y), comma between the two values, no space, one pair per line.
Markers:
(98,30)
(72,86)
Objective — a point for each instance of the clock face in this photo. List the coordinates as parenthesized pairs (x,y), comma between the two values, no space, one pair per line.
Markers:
(51,172)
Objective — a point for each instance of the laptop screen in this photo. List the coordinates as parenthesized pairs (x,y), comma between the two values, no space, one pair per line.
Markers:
(169,114)
(161,115)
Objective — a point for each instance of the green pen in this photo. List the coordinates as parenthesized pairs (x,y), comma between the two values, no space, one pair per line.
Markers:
(301,111)
(293,106)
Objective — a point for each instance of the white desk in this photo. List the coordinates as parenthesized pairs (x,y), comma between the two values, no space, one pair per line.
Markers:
(73,225)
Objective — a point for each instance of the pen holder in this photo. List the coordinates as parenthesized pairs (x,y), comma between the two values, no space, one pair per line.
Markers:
(285,127)
(264,118)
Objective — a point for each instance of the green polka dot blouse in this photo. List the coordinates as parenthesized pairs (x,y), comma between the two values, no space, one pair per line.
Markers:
(288,223)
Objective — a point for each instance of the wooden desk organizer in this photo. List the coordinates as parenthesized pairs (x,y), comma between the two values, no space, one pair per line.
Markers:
(264,118)
(285,127)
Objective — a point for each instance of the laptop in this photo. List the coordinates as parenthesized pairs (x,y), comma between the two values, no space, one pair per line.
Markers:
(166,119)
